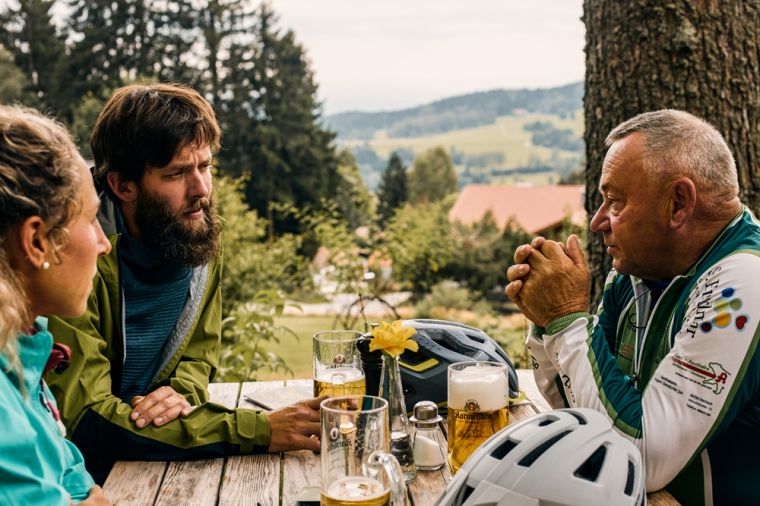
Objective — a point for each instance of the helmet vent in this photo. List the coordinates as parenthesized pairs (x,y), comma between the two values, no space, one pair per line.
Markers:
(631,478)
(581,420)
(468,490)
(546,422)
(540,449)
(590,469)
(501,451)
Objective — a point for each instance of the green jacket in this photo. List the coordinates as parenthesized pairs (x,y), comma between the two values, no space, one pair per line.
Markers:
(98,421)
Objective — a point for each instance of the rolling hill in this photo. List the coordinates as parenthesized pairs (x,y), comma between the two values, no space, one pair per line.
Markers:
(493,136)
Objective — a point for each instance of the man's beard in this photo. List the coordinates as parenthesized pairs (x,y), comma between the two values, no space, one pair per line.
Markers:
(187,242)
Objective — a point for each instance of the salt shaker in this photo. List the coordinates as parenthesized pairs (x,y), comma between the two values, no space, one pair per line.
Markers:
(428,439)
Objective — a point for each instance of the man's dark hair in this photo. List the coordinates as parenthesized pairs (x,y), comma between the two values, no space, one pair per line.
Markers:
(143,126)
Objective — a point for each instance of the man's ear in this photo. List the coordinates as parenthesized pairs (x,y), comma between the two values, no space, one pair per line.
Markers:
(33,243)
(126,191)
(683,201)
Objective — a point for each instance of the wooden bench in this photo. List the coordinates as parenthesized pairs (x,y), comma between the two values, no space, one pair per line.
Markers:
(272,479)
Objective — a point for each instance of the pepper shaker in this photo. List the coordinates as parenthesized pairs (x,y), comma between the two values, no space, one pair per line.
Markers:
(428,440)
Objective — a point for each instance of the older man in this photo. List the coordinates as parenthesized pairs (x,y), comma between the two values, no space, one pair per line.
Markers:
(670,357)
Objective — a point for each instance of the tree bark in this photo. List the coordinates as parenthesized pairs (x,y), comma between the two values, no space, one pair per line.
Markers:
(700,56)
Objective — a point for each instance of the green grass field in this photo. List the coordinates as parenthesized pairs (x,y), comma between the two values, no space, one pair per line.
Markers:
(296,351)
(506,135)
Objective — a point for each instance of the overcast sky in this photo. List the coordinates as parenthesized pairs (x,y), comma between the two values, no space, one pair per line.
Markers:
(389,54)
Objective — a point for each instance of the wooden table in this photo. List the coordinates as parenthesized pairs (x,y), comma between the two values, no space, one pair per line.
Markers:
(272,479)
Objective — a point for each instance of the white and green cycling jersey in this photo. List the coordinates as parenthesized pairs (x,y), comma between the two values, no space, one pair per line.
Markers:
(678,374)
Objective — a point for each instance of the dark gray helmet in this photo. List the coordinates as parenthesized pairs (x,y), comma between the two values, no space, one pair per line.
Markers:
(442,343)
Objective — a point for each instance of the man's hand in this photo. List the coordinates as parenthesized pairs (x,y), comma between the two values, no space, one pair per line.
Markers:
(161,406)
(558,283)
(517,272)
(96,498)
(291,427)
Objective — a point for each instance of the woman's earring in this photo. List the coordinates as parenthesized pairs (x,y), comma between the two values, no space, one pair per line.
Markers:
(45,265)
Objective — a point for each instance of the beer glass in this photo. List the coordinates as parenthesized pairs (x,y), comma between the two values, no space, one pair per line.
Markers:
(478,406)
(356,465)
(337,364)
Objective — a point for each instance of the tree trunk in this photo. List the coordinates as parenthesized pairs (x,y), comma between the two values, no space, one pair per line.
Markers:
(699,56)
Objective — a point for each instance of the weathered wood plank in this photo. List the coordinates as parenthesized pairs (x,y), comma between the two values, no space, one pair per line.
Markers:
(528,385)
(134,483)
(300,470)
(254,479)
(197,482)
(225,394)
(661,498)
(521,412)
(191,482)
(251,479)
(428,486)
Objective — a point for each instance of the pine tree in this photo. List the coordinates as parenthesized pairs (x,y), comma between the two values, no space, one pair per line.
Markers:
(227,28)
(393,189)
(121,41)
(103,55)
(274,122)
(169,52)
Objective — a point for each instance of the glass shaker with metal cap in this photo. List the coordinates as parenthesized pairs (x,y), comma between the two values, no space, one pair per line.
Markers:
(429,442)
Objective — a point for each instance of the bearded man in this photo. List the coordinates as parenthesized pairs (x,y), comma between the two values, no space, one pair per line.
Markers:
(149,343)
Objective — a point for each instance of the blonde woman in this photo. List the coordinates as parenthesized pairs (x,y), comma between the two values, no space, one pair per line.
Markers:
(50,240)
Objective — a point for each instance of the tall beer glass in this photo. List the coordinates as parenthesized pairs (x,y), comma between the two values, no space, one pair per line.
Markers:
(337,364)
(356,465)
(478,401)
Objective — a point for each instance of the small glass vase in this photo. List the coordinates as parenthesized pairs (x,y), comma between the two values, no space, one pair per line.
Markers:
(400,428)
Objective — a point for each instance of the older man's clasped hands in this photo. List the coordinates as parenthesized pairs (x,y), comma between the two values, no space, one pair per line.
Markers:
(549,279)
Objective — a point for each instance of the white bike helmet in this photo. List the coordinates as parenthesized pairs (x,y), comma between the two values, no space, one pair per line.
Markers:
(562,457)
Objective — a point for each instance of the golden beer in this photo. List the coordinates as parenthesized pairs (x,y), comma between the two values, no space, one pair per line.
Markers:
(337,382)
(355,491)
(469,429)
(478,399)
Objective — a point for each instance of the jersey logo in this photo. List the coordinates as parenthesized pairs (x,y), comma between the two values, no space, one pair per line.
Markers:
(723,308)
(714,378)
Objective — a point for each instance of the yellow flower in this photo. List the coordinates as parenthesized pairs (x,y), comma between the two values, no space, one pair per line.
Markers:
(393,338)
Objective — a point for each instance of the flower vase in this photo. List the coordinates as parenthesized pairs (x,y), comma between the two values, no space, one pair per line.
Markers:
(400,428)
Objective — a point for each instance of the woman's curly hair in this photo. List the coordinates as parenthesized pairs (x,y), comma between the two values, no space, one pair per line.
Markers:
(38,177)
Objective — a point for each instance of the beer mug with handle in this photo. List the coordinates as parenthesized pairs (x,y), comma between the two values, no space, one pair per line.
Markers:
(478,406)
(337,364)
(356,465)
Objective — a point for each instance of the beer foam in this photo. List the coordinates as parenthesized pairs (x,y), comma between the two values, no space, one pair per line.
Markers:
(356,488)
(489,387)
(339,375)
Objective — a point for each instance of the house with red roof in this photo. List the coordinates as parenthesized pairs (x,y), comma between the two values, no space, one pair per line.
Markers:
(536,209)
